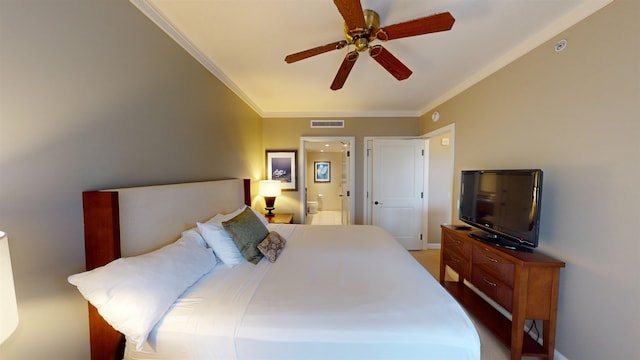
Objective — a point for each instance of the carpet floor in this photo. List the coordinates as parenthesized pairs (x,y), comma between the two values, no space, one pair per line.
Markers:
(491,348)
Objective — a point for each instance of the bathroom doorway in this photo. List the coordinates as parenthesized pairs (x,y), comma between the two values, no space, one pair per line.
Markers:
(327,169)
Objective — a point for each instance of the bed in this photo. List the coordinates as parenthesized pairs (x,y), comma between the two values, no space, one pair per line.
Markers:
(338,292)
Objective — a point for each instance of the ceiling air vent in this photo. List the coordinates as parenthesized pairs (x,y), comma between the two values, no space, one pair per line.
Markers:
(327,123)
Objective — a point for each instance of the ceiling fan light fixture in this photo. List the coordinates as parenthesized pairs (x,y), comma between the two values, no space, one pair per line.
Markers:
(361,44)
(382,35)
(375,51)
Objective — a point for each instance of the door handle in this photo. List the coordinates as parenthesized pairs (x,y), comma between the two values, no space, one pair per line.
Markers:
(376,203)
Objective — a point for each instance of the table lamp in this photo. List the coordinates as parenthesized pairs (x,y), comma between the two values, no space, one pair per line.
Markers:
(269,189)
(8,305)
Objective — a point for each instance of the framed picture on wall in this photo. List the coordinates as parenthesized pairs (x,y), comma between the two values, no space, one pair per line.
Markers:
(322,171)
(281,165)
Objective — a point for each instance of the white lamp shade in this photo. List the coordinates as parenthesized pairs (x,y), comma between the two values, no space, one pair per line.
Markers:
(270,188)
(8,306)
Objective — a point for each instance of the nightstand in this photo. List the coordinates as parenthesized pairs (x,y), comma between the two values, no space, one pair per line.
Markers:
(280,219)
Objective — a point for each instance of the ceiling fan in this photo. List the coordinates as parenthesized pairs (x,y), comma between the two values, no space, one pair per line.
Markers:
(361,27)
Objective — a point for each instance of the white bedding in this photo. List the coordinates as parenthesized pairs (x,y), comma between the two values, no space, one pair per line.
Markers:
(335,292)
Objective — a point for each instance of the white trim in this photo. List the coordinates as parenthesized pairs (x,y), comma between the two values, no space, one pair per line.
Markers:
(445,129)
(147,8)
(424,226)
(302,173)
(451,127)
(366,204)
(584,10)
(341,114)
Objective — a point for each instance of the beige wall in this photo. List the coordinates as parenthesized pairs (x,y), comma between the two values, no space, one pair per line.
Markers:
(93,95)
(330,190)
(439,186)
(574,114)
(285,134)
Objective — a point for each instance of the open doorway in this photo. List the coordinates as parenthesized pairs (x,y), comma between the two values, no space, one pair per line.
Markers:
(327,172)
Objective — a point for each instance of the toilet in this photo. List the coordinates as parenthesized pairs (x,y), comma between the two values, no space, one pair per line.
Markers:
(314,206)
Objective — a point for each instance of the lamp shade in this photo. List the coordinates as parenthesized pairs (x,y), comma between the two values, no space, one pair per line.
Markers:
(8,306)
(270,188)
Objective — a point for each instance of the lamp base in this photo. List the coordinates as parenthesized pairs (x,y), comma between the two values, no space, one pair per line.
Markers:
(269,201)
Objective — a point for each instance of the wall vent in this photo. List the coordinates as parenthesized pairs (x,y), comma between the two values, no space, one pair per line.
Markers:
(327,123)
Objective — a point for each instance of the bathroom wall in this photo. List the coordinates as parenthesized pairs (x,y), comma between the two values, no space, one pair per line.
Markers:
(331,190)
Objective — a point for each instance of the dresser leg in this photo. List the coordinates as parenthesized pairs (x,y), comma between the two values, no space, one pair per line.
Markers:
(548,337)
(517,337)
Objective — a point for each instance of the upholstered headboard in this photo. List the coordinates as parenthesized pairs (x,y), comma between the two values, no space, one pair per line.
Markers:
(133,221)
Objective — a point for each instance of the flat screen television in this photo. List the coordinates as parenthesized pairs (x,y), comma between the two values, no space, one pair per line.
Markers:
(504,205)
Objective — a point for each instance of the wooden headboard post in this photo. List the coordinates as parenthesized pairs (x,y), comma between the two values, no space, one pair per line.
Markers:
(247,192)
(102,245)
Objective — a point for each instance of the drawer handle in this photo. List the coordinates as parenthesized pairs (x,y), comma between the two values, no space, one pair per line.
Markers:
(455,259)
(491,259)
(455,241)
(489,282)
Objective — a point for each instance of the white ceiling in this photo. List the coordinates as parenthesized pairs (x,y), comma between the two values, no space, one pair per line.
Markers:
(325,146)
(244,42)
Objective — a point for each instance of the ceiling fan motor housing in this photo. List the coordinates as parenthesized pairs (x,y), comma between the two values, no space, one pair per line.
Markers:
(361,37)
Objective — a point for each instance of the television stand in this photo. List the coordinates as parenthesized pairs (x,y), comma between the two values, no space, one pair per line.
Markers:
(526,284)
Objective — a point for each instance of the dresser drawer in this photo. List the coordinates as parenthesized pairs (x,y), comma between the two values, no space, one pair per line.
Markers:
(493,287)
(456,262)
(494,264)
(460,247)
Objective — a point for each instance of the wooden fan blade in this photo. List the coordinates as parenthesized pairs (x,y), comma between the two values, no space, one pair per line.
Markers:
(421,26)
(345,69)
(352,13)
(390,62)
(315,51)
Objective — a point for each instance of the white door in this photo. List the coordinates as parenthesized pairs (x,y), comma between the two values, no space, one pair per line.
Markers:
(397,189)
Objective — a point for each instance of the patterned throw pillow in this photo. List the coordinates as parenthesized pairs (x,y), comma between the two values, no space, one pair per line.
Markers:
(246,230)
(272,246)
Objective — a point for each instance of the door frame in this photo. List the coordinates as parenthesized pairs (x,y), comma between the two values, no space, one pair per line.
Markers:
(451,128)
(302,173)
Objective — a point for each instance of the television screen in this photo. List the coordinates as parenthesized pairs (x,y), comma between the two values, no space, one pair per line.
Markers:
(505,204)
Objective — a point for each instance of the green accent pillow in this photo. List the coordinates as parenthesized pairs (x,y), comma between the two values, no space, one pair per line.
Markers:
(247,231)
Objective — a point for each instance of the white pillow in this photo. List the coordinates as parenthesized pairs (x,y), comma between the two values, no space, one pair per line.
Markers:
(132,294)
(221,243)
(219,218)
(194,235)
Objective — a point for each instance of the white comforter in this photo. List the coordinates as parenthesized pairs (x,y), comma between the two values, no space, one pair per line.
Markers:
(336,292)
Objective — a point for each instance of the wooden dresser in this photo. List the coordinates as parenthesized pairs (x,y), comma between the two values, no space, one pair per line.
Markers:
(523,283)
